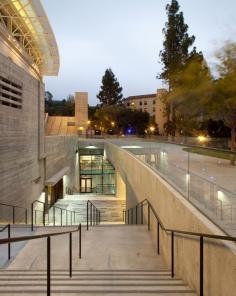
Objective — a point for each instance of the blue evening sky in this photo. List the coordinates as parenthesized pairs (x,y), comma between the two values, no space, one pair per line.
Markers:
(126,35)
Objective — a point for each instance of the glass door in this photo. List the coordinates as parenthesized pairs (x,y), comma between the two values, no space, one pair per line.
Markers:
(86,185)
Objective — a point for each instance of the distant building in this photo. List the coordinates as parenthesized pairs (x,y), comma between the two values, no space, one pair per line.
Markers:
(150,103)
(70,125)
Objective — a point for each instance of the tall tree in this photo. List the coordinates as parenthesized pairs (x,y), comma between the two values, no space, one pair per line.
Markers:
(176,50)
(192,95)
(111,91)
(224,103)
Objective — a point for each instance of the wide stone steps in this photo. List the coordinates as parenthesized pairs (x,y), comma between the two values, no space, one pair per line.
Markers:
(110,282)
(111,210)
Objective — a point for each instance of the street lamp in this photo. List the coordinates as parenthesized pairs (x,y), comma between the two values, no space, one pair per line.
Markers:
(202,139)
(112,123)
(152,129)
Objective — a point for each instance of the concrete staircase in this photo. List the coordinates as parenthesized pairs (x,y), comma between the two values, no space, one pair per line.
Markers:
(111,209)
(116,260)
(109,282)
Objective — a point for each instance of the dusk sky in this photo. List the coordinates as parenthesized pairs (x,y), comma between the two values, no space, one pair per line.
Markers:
(126,35)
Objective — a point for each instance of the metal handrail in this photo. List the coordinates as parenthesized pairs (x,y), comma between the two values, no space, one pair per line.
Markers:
(128,215)
(13,211)
(44,212)
(95,214)
(8,227)
(61,209)
(32,213)
(48,236)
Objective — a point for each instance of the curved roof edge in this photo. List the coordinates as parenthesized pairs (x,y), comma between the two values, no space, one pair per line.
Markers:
(35,19)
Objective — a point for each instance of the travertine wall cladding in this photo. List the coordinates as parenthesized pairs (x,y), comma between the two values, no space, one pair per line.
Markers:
(21,140)
(61,152)
(175,212)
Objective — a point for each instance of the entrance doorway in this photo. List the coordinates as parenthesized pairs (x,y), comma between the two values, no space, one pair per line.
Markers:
(86,185)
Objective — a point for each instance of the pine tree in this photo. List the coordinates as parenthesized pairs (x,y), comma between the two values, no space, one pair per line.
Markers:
(176,43)
(111,91)
(175,53)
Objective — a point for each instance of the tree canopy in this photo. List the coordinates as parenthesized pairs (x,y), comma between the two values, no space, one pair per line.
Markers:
(174,56)
(121,118)
(224,104)
(111,91)
(177,43)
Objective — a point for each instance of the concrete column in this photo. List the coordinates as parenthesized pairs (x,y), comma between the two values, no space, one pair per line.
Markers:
(81,111)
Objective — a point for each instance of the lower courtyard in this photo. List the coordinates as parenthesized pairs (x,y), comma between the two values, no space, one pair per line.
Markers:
(110,231)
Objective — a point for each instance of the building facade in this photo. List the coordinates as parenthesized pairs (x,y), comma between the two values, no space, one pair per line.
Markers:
(150,103)
(70,125)
(28,51)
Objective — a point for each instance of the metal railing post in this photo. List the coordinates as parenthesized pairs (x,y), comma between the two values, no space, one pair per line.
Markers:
(80,237)
(26,216)
(128,216)
(32,217)
(158,238)
(48,266)
(172,255)
(148,217)
(136,215)
(87,217)
(91,215)
(201,266)
(125,217)
(13,215)
(70,254)
(141,213)
(71,218)
(44,213)
(54,218)
(9,244)
(94,215)
(61,217)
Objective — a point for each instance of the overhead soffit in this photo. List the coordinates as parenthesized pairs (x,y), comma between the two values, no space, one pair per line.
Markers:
(32,30)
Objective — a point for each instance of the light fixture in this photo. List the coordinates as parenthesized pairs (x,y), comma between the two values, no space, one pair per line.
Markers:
(152,129)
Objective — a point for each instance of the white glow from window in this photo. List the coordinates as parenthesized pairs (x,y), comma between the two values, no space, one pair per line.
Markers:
(91,147)
(187,177)
(131,147)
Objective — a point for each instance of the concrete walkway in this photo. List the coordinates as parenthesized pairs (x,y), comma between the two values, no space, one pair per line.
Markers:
(103,248)
(16,231)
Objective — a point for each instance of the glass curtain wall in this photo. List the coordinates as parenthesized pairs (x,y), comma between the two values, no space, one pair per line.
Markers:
(97,175)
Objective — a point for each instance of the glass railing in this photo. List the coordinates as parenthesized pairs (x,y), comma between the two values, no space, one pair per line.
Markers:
(206,178)
(107,189)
